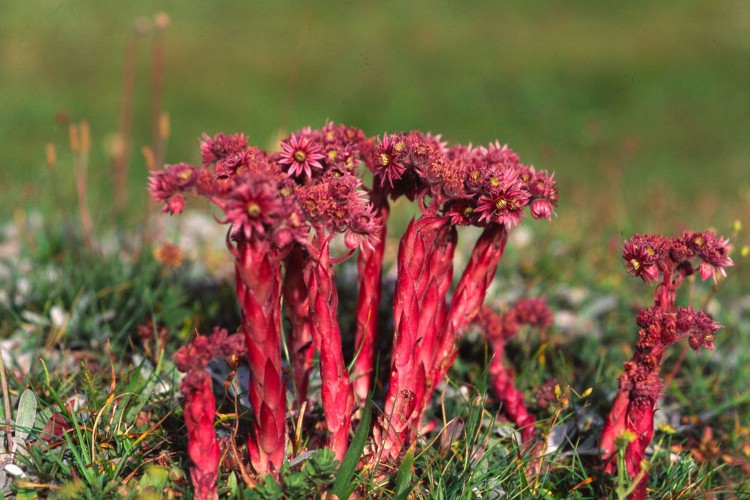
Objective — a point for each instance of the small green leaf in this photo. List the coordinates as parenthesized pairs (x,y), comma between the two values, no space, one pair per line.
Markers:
(26,415)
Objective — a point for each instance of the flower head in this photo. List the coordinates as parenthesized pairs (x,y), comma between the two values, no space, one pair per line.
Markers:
(641,253)
(713,251)
(221,146)
(166,186)
(388,156)
(300,155)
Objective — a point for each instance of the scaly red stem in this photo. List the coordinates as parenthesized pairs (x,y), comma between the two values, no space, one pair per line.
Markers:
(258,272)
(336,390)
(369,283)
(469,297)
(425,264)
(298,312)
(203,448)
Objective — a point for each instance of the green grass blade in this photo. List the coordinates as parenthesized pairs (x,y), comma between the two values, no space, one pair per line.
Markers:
(403,477)
(353,454)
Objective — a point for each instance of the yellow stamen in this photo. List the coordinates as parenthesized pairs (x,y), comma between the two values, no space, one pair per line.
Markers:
(253,209)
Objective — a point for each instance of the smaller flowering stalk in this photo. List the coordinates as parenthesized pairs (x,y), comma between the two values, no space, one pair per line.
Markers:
(333,203)
(200,405)
(331,199)
(654,257)
(498,330)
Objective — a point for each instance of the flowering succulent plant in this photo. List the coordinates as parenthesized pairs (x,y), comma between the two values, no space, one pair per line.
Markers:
(286,211)
(485,187)
(671,260)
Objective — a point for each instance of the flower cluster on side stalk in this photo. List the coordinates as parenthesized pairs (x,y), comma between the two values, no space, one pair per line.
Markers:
(668,261)
(200,404)
(498,329)
(486,187)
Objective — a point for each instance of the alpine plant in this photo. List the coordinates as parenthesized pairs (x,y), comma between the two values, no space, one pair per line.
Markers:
(666,261)
(294,214)
(487,187)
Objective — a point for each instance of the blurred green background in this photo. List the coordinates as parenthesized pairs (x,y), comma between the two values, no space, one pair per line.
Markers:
(642,108)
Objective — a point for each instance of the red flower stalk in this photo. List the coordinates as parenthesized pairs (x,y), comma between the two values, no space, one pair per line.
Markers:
(425,270)
(369,283)
(298,312)
(334,203)
(258,284)
(336,391)
(469,296)
(258,201)
(200,405)
(649,257)
(498,330)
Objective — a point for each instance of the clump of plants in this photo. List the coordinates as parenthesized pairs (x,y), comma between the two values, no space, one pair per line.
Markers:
(293,215)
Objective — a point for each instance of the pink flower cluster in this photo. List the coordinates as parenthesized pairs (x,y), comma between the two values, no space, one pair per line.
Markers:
(654,258)
(472,186)
(285,211)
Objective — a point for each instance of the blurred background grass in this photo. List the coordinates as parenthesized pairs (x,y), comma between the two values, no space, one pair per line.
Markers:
(641,108)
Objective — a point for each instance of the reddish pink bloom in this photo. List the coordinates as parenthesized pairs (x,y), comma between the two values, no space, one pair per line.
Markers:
(713,251)
(300,155)
(253,206)
(640,254)
(504,206)
(221,146)
(387,157)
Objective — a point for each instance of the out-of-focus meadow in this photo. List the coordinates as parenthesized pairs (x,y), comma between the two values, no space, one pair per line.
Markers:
(641,108)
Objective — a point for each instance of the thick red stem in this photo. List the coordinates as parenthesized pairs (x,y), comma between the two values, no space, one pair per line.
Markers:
(203,448)
(425,267)
(336,390)
(298,312)
(370,266)
(468,298)
(258,272)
